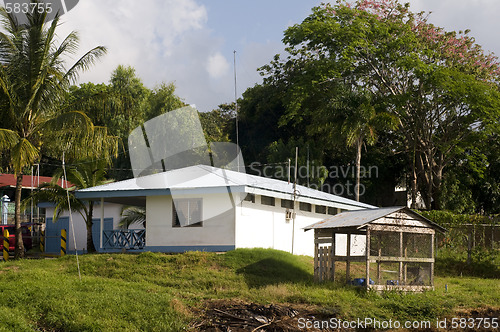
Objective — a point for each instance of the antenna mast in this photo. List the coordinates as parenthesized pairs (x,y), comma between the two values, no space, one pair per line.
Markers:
(236,108)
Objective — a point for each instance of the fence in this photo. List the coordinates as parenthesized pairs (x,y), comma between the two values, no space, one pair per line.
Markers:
(470,236)
(124,239)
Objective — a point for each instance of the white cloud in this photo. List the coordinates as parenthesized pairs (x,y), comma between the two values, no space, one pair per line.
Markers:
(166,41)
(217,65)
(147,35)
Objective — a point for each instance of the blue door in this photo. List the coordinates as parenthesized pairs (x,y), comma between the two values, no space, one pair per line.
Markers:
(53,234)
(96,226)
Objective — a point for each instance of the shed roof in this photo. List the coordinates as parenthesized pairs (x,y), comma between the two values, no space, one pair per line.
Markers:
(205,179)
(359,218)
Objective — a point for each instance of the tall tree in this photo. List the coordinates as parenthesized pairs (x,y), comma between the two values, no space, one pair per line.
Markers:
(441,85)
(33,80)
(359,123)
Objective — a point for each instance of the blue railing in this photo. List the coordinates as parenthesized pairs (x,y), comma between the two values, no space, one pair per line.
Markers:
(124,239)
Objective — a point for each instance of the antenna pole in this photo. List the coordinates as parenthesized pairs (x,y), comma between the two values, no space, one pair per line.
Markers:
(236,109)
(294,196)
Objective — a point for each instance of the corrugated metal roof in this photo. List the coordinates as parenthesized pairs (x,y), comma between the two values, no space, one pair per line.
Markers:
(358,218)
(9,180)
(354,218)
(202,176)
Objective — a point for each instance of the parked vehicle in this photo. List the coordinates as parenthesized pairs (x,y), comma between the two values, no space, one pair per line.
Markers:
(27,238)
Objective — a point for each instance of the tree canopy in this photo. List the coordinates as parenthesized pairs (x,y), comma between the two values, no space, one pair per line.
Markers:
(440,86)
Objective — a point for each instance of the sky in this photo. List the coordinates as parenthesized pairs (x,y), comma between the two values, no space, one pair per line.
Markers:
(192,42)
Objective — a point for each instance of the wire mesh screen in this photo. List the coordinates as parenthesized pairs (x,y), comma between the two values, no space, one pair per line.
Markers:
(385,273)
(384,243)
(417,274)
(417,245)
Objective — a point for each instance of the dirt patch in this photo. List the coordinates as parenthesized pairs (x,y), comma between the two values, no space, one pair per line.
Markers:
(238,316)
(10,268)
(224,315)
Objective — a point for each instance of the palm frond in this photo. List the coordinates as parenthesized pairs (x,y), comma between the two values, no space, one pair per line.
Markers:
(132,215)
(53,193)
(67,128)
(8,139)
(84,63)
(22,154)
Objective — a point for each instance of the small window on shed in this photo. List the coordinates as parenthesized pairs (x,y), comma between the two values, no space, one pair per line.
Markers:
(250,198)
(266,200)
(320,209)
(286,203)
(305,206)
(332,211)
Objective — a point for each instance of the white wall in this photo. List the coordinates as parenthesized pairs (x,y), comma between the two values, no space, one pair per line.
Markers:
(218,230)
(111,210)
(262,226)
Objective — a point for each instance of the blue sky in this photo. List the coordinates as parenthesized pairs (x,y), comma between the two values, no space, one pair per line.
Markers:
(191,42)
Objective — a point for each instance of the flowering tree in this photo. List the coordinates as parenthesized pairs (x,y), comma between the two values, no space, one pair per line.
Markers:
(441,86)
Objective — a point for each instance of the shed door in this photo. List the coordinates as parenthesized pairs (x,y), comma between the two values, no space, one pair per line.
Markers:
(53,234)
(96,226)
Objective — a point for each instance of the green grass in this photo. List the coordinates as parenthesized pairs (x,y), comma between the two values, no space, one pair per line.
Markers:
(157,292)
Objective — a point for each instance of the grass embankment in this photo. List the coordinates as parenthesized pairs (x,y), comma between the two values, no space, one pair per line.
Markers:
(158,291)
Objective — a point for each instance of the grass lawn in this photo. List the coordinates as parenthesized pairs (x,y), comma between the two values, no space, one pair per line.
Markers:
(162,292)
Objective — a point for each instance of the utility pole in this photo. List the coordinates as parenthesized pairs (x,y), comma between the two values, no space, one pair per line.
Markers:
(236,109)
(294,197)
(307,165)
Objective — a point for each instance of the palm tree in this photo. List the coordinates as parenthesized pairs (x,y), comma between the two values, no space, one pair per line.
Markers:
(33,81)
(361,121)
(87,174)
(133,215)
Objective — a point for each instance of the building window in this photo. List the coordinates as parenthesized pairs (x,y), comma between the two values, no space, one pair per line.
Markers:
(266,200)
(286,203)
(249,198)
(187,212)
(320,209)
(332,211)
(305,206)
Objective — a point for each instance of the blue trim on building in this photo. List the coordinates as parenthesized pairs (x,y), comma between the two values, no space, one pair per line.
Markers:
(72,252)
(213,248)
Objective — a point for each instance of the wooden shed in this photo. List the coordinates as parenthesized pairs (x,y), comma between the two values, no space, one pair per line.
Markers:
(389,248)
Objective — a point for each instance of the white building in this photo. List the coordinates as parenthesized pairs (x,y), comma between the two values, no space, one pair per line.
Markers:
(212,209)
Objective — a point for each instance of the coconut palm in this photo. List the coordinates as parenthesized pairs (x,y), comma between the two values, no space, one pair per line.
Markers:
(133,215)
(33,81)
(85,175)
(360,123)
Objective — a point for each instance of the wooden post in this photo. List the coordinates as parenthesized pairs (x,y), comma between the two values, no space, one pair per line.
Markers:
(400,258)
(348,262)
(316,257)
(378,266)
(405,266)
(432,255)
(333,253)
(367,253)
